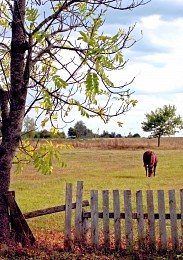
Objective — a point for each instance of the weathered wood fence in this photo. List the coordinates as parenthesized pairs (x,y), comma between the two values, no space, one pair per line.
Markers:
(135,228)
(151,228)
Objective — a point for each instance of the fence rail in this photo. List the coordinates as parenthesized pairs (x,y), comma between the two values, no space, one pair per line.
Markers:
(47,211)
(87,222)
(134,215)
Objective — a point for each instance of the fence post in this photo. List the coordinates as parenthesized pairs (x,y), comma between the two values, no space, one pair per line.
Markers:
(117,221)
(151,221)
(68,217)
(162,220)
(181,207)
(105,195)
(84,227)
(78,215)
(128,219)
(140,219)
(19,225)
(94,218)
(173,219)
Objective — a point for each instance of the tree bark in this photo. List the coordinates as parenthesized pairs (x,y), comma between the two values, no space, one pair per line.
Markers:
(159,140)
(13,118)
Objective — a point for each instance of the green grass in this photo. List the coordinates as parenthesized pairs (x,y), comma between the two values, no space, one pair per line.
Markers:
(99,170)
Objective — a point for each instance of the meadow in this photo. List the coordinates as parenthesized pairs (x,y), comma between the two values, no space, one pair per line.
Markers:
(102,164)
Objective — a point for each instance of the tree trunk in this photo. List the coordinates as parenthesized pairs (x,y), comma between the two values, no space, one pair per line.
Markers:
(159,140)
(4,217)
(12,113)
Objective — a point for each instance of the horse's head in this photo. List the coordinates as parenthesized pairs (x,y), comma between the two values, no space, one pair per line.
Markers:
(150,170)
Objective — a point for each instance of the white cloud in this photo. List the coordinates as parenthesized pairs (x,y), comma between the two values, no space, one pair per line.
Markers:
(156,60)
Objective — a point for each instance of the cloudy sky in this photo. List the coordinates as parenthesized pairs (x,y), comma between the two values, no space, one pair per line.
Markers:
(156,60)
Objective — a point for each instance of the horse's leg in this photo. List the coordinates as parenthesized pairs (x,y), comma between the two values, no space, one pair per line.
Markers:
(154,169)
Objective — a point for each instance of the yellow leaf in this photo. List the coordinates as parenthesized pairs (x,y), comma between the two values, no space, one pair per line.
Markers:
(36,109)
(120,124)
(54,130)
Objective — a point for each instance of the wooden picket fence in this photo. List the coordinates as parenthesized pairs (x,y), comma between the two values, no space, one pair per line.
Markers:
(128,230)
(88,230)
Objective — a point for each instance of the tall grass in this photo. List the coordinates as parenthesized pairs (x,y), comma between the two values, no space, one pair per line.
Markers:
(127,143)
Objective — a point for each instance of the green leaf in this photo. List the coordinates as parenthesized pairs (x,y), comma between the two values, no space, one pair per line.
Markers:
(92,85)
(83,7)
(46,103)
(59,83)
(44,121)
(84,37)
(40,35)
(4,23)
(46,154)
(21,157)
(31,14)
(4,15)
(36,110)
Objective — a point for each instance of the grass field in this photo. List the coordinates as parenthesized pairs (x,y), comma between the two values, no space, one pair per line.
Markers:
(107,164)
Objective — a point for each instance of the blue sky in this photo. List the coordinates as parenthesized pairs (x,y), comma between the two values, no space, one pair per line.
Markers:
(156,60)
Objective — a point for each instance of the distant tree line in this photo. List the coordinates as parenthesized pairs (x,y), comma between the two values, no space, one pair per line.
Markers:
(31,132)
(161,122)
(43,134)
(48,134)
(79,130)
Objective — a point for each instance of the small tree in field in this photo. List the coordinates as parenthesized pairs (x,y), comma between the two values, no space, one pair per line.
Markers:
(29,127)
(81,129)
(54,57)
(162,122)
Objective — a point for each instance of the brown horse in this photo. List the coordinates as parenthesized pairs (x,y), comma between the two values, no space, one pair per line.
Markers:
(150,162)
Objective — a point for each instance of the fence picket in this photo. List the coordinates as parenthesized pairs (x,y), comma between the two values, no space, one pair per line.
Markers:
(117,222)
(162,221)
(85,227)
(78,215)
(151,220)
(128,218)
(181,208)
(140,219)
(94,218)
(173,219)
(105,195)
(68,216)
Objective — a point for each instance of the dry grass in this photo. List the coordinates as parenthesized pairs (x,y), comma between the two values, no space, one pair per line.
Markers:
(126,143)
